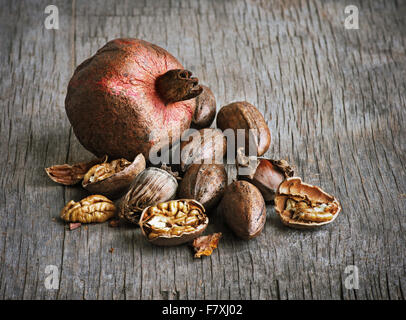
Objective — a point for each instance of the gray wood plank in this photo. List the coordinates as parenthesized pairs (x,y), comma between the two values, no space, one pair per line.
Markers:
(333,98)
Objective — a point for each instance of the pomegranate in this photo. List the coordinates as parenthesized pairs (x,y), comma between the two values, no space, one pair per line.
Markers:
(129,97)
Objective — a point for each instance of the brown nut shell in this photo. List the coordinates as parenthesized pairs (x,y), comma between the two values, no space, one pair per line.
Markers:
(243,208)
(204,245)
(243,115)
(204,146)
(205,111)
(68,175)
(205,183)
(304,206)
(114,178)
(151,186)
(268,175)
(170,230)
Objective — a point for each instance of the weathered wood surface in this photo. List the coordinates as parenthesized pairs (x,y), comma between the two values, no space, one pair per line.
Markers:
(335,101)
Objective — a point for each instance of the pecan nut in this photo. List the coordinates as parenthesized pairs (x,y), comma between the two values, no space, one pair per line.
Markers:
(205,111)
(205,183)
(244,116)
(204,146)
(94,208)
(243,208)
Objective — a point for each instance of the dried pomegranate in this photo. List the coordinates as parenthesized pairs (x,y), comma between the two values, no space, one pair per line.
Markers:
(130,96)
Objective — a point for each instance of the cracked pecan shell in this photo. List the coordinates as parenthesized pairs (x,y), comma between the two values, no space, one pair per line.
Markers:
(173,222)
(304,206)
(113,178)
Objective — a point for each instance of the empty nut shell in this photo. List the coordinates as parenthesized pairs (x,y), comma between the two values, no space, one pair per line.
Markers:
(173,222)
(268,175)
(151,186)
(304,206)
(113,178)
(95,208)
(205,183)
(68,175)
(243,115)
(205,111)
(243,208)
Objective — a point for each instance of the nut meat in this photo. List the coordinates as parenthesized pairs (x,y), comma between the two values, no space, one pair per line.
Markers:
(173,222)
(301,205)
(95,208)
(113,178)
(105,170)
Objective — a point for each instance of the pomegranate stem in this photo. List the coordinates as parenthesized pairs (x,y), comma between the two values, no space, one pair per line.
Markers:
(177,85)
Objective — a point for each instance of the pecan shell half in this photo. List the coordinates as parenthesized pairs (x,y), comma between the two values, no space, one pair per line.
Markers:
(304,206)
(113,178)
(173,222)
(68,175)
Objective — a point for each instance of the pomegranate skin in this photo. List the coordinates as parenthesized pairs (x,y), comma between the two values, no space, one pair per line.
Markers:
(113,105)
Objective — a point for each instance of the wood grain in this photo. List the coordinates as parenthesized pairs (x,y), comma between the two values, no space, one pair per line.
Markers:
(333,98)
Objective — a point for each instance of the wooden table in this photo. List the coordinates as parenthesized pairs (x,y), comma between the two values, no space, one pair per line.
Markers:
(334,99)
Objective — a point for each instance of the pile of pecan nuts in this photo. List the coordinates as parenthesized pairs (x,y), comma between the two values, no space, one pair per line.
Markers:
(171,203)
